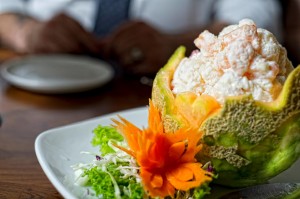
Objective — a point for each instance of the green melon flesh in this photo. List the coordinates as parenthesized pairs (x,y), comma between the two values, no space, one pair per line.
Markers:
(247,141)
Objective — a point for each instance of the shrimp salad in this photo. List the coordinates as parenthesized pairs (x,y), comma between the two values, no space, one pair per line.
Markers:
(241,60)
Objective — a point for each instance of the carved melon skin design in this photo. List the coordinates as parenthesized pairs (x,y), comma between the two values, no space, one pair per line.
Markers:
(247,141)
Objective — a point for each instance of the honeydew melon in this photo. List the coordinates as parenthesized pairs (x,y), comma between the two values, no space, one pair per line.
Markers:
(247,141)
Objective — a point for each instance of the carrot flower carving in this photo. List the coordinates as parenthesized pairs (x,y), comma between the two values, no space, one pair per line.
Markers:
(166,159)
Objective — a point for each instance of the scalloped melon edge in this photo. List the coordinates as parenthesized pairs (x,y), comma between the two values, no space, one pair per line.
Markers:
(281,116)
(162,96)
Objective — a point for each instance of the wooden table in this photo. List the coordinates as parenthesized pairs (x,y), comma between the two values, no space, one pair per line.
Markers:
(25,115)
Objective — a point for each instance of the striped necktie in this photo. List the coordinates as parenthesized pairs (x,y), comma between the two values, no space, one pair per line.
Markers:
(111,13)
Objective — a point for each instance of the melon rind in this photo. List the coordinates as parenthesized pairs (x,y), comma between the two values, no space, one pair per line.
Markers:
(247,141)
(162,96)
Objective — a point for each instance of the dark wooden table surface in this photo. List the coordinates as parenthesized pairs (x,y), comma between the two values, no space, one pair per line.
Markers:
(26,114)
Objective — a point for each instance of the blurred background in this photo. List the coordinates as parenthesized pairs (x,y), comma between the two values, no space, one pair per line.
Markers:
(291,29)
(138,35)
(135,38)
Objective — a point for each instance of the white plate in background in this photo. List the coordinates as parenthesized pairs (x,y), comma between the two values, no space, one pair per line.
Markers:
(57,74)
(57,149)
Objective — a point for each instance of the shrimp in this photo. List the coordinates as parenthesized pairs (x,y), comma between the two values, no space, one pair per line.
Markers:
(242,59)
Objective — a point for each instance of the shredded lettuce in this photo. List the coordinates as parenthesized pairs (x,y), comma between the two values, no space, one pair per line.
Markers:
(110,183)
(112,174)
(103,136)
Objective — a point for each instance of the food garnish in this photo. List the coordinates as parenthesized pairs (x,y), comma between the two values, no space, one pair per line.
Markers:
(147,162)
(166,159)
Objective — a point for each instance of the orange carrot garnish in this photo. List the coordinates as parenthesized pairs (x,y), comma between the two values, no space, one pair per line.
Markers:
(167,160)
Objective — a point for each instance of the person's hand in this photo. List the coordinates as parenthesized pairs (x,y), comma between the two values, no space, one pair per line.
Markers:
(61,34)
(139,48)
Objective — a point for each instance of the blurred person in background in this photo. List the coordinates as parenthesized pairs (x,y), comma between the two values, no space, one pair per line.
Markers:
(292,29)
(140,35)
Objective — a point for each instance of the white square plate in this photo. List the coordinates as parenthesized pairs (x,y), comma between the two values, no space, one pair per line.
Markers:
(57,149)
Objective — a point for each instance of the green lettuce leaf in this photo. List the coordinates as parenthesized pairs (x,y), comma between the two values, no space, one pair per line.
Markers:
(104,182)
(103,135)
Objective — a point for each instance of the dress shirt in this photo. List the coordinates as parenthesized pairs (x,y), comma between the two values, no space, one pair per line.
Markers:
(170,16)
